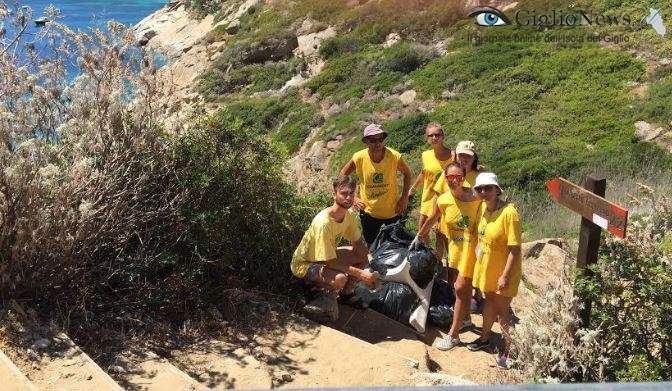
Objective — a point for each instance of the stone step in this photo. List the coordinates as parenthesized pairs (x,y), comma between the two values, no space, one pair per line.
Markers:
(145,370)
(11,377)
(299,354)
(433,366)
(386,333)
(222,365)
(57,363)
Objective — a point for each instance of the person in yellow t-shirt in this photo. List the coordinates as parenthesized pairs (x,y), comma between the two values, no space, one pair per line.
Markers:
(434,162)
(458,209)
(465,153)
(319,261)
(498,268)
(376,168)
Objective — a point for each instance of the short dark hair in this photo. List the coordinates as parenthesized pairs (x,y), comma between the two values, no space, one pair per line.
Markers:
(344,180)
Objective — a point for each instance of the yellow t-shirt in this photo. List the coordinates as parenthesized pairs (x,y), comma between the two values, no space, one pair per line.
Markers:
(458,223)
(442,187)
(321,239)
(496,232)
(432,170)
(378,185)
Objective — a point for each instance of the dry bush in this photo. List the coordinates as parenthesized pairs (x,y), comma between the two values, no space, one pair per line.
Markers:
(85,181)
(550,347)
(631,317)
(104,216)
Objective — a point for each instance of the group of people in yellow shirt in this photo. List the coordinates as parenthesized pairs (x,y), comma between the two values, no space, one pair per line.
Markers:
(480,232)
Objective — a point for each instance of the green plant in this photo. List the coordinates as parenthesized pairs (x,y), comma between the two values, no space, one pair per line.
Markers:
(630,288)
(401,57)
(239,211)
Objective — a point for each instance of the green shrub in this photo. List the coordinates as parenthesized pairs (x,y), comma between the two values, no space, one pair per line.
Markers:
(406,134)
(658,106)
(240,216)
(340,45)
(630,291)
(401,57)
(204,7)
(285,117)
(335,74)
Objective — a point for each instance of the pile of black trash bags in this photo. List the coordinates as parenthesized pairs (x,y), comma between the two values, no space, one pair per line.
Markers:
(397,300)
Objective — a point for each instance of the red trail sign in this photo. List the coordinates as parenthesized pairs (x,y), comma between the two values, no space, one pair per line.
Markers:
(609,216)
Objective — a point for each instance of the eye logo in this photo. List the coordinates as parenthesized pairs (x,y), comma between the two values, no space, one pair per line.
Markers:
(489,16)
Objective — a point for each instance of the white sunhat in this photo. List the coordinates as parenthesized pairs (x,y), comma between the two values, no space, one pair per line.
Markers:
(487,178)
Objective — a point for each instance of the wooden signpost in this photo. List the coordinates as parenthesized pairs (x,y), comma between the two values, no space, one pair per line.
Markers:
(596,214)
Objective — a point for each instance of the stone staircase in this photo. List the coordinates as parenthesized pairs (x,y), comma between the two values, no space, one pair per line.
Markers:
(363,348)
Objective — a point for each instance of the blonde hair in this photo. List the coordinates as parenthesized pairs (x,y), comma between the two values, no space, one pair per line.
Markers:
(434,125)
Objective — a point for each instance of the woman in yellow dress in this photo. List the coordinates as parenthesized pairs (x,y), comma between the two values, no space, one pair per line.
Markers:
(434,162)
(498,267)
(458,210)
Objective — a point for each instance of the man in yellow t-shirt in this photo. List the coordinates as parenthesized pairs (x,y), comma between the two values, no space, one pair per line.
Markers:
(319,261)
(376,167)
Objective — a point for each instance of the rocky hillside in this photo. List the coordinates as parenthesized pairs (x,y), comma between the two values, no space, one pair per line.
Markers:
(183,37)
(404,65)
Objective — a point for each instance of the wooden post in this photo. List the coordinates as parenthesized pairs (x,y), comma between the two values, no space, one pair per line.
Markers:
(596,214)
(589,244)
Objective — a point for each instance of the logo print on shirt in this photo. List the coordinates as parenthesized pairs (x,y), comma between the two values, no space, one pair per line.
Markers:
(377,177)
(463,222)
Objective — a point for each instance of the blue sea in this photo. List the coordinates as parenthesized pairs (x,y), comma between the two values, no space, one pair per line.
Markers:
(80,15)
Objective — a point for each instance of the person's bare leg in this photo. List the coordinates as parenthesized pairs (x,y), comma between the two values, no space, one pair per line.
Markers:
(489,315)
(331,279)
(346,256)
(502,304)
(462,300)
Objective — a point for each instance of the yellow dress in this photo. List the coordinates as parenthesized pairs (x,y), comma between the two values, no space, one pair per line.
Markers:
(496,232)
(432,170)
(458,223)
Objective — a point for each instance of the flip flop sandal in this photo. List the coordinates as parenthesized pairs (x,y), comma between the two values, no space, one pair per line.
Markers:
(353,300)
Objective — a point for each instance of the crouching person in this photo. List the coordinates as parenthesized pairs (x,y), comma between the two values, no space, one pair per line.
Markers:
(319,262)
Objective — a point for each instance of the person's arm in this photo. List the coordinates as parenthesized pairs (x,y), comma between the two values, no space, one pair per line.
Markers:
(423,232)
(360,248)
(418,181)
(503,281)
(402,203)
(348,168)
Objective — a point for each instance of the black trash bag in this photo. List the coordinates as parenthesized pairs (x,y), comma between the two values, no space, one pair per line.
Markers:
(390,248)
(397,300)
(442,292)
(441,315)
(394,300)
(441,303)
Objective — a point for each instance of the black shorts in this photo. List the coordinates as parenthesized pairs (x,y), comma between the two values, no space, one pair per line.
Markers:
(371,225)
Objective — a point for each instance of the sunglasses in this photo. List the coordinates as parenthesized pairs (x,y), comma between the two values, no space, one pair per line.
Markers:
(452,178)
(435,135)
(487,188)
(372,140)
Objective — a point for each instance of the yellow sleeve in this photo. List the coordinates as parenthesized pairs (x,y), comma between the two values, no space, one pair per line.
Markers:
(513,227)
